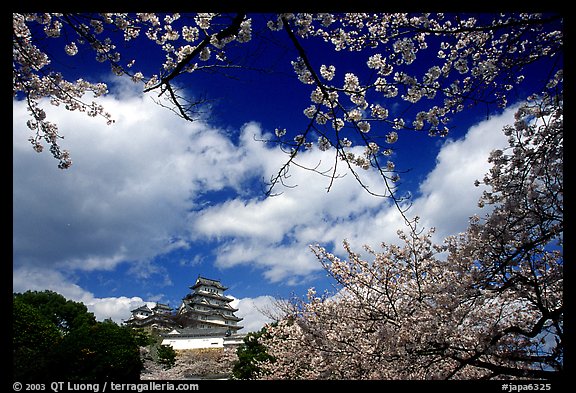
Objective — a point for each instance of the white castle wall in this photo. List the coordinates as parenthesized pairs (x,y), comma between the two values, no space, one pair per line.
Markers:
(181,343)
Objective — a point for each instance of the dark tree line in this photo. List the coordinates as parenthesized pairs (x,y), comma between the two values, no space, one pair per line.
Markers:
(58,339)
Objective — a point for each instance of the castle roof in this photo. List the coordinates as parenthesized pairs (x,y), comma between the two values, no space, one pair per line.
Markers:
(205,295)
(206,302)
(159,306)
(208,281)
(213,311)
(142,308)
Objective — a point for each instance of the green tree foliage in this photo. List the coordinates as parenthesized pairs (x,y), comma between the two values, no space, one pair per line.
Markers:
(33,337)
(143,338)
(67,315)
(55,338)
(166,356)
(250,353)
(101,351)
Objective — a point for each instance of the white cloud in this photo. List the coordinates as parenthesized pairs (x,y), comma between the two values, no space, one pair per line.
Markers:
(41,279)
(254,311)
(136,191)
(131,181)
(448,195)
(273,234)
(116,308)
(125,199)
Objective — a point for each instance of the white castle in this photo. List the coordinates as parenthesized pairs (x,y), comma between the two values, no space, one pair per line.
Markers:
(205,318)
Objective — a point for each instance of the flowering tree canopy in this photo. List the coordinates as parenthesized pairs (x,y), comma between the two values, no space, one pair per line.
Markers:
(487,303)
(436,65)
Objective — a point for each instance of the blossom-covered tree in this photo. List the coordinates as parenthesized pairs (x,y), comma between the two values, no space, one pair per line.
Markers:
(436,65)
(485,304)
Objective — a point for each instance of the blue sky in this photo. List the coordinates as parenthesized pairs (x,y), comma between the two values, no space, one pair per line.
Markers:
(153,201)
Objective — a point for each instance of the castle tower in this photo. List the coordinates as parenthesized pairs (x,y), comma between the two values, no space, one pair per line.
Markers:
(206,307)
(159,317)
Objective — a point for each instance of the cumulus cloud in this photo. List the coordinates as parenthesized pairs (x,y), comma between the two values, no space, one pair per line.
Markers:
(274,234)
(141,188)
(41,279)
(448,196)
(131,181)
(125,200)
(256,312)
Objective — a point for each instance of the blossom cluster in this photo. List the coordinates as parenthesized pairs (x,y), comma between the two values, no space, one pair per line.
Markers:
(489,299)
(33,77)
(196,363)
(437,63)
(473,59)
